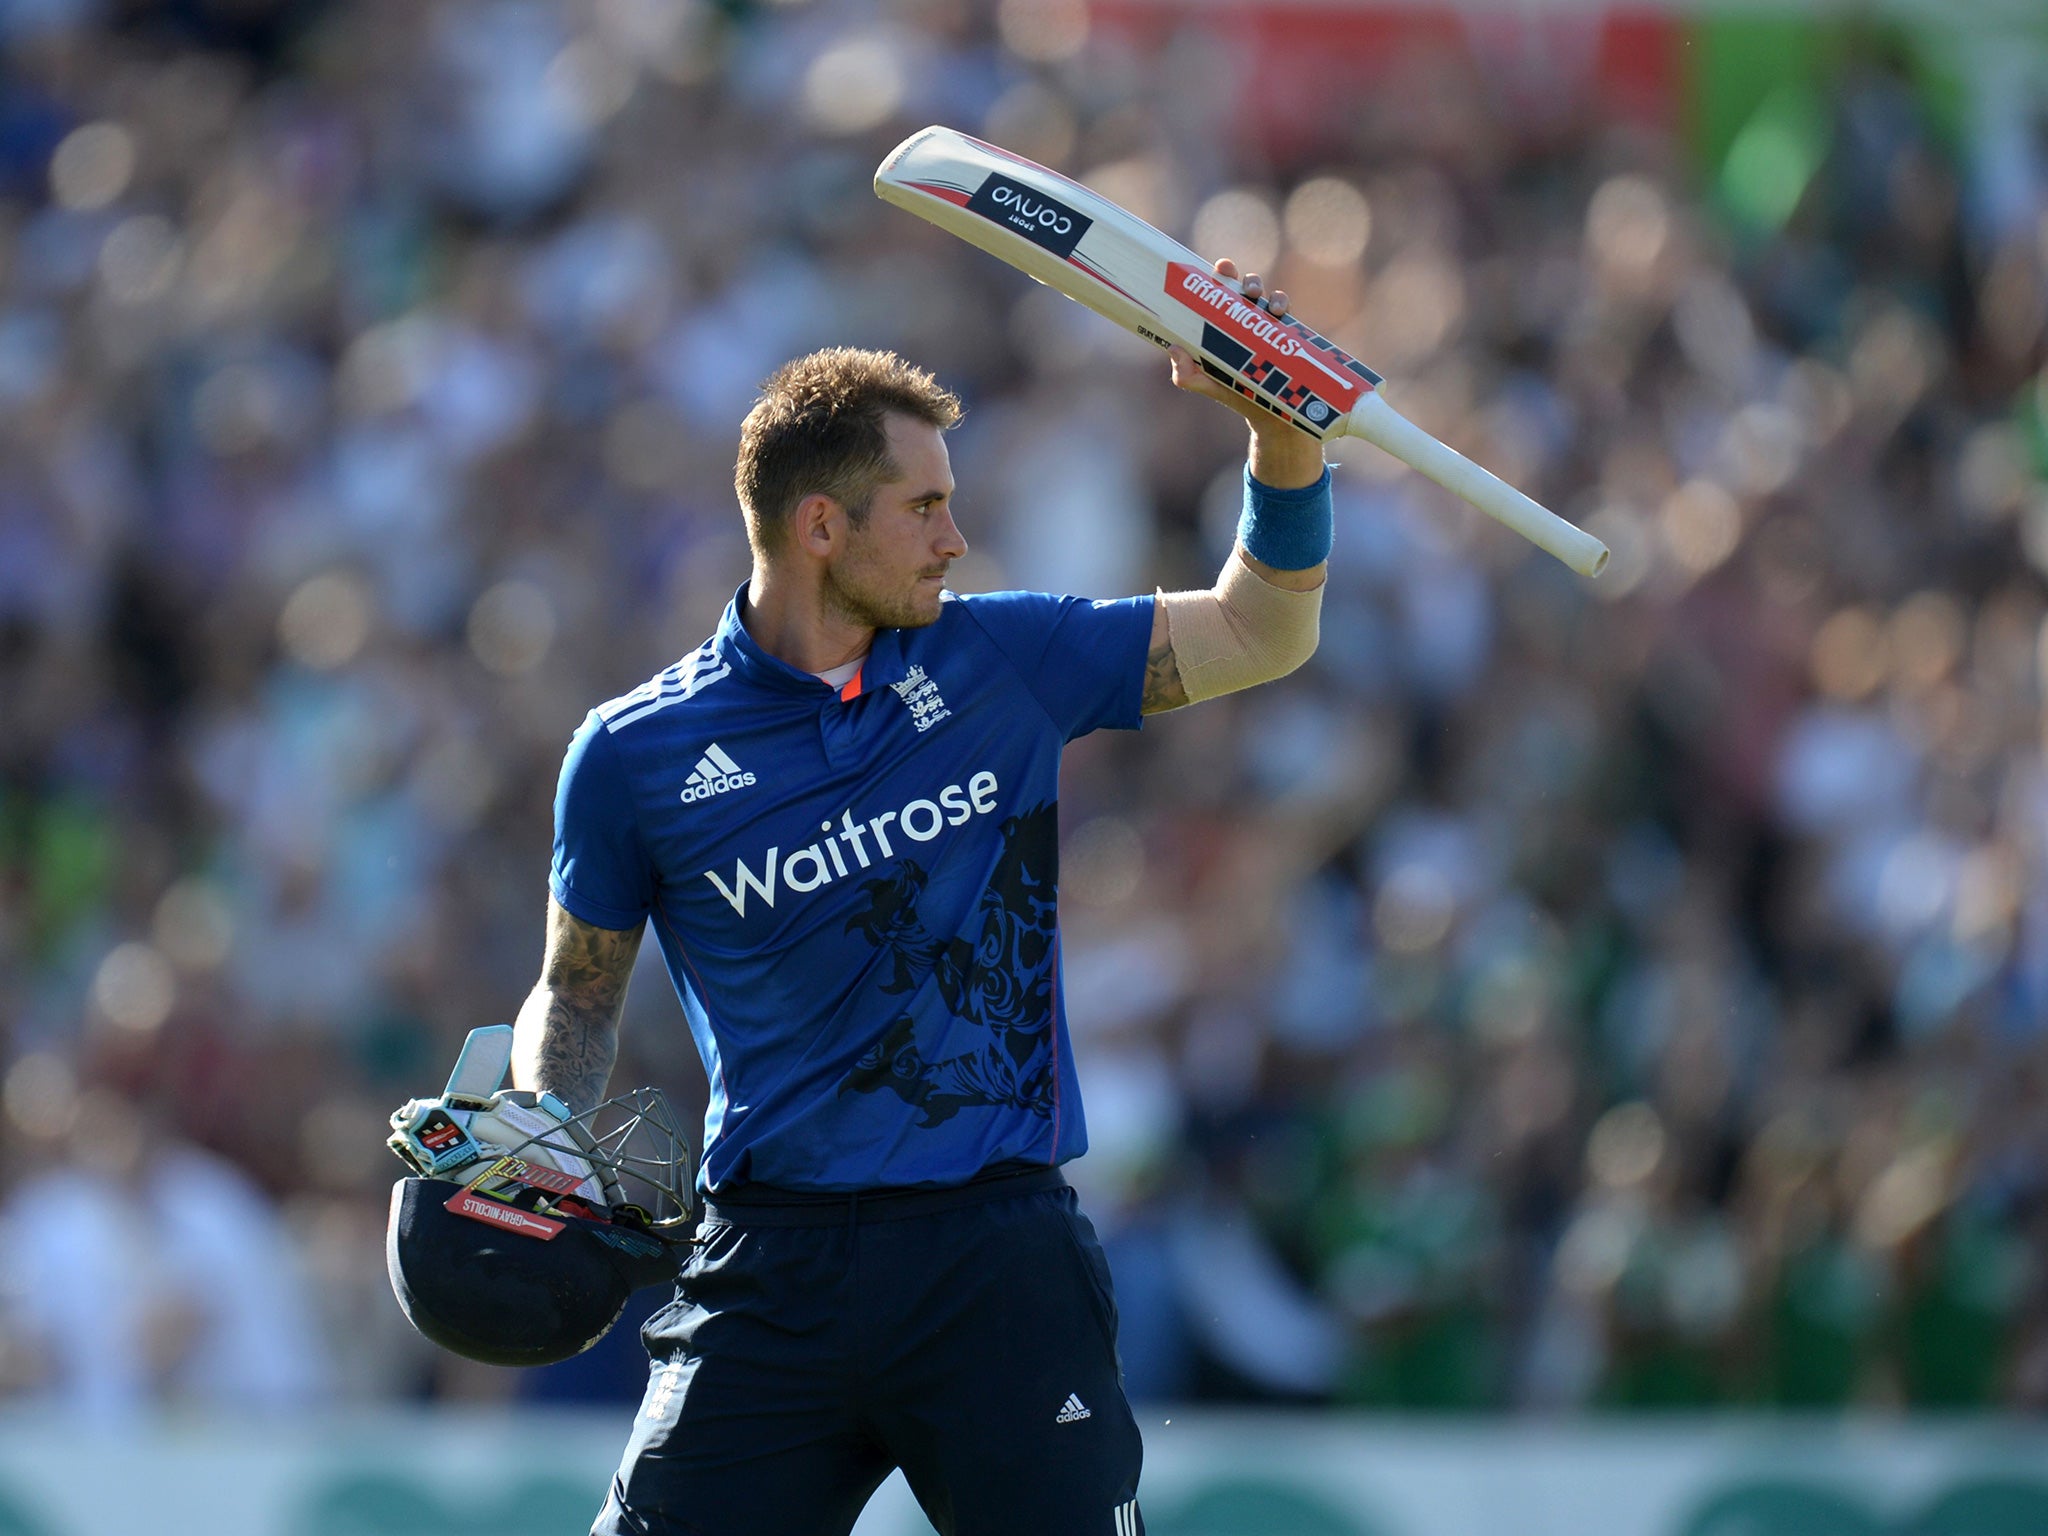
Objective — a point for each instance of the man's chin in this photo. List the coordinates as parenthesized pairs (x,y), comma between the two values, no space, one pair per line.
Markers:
(922,608)
(916,607)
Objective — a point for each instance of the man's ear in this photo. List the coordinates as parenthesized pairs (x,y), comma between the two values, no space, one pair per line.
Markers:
(818,527)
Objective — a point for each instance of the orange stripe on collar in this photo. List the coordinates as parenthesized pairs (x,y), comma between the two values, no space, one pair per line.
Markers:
(851,691)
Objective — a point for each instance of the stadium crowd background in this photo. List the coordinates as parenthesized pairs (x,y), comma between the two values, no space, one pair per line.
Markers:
(1556,995)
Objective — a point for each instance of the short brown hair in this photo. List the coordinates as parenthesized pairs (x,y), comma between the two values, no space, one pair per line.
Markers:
(820,428)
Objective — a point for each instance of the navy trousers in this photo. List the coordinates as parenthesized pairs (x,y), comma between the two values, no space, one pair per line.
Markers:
(965,1335)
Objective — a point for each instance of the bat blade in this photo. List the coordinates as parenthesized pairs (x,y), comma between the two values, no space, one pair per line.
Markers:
(1105,257)
(1109,259)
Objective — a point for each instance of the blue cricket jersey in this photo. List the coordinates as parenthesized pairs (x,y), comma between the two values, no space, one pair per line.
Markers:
(855,890)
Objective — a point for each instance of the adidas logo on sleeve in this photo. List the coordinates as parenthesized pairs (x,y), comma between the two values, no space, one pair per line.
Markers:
(1072,1411)
(714,774)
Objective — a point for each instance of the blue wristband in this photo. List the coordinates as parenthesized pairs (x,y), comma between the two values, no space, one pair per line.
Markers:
(1289,530)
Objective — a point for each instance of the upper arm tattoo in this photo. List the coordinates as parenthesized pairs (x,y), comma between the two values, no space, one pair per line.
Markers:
(1163,687)
(568,1031)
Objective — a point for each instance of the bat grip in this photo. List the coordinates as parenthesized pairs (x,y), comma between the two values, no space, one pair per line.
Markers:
(1384,427)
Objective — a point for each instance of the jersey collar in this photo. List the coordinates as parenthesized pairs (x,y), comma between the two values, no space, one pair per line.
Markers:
(884,665)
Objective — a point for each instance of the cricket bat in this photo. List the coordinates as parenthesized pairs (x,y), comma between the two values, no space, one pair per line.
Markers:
(1118,265)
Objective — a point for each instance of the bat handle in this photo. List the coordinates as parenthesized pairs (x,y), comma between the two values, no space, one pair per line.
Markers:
(1384,427)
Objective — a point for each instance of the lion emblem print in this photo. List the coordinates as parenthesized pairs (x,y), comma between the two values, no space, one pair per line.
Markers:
(1002,982)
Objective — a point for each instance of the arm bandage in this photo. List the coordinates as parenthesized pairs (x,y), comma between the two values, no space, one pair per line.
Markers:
(1243,631)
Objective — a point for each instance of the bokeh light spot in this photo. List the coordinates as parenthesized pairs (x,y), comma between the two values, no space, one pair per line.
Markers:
(1927,637)
(854,86)
(1895,359)
(1988,889)
(1850,657)
(1903,1199)
(1033,120)
(1241,225)
(1414,909)
(589,83)
(1631,551)
(1416,306)
(512,628)
(192,925)
(1702,526)
(1628,225)
(1102,862)
(1991,472)
(135,987)
(384,367)
(1145,185)
(41,1095)
(1626,1147)
(1043,31)
(140,259)
(238,409)
(1595,1251)
(1760,448)
(1328,221)
(92,166)
(326,621)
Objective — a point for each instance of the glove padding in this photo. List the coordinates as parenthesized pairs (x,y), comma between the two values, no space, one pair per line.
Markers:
(450,1136)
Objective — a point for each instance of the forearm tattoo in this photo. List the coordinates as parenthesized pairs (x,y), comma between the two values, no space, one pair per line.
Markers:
(568,1032)
(1163,687)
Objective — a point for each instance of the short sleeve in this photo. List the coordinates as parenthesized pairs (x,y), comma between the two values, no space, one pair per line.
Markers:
(601,873)
(1083,660)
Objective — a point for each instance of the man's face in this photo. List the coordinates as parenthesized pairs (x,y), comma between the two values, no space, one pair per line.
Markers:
(893,568)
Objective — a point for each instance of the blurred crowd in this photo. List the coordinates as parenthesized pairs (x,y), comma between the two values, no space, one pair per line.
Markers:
(1559,994)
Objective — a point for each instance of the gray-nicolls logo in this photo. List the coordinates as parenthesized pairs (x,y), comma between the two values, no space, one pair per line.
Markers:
(921,695)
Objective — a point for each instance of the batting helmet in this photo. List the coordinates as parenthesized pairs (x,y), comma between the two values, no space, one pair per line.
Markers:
(529,1226)
(512,1287)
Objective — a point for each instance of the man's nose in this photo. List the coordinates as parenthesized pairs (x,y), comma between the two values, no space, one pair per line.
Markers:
(951,543)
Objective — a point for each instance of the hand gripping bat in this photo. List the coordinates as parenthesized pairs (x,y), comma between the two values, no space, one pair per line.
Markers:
(1118,265)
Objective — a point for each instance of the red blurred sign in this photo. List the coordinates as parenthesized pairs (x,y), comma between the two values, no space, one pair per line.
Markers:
(1322,78)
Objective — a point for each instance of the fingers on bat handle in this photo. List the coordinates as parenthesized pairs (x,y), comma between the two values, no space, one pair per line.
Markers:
(1386,428)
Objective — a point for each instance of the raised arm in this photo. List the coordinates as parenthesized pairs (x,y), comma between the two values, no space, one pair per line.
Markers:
(567,1034)
(1259,621)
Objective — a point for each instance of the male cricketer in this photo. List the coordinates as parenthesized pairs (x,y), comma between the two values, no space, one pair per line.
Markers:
(839,814)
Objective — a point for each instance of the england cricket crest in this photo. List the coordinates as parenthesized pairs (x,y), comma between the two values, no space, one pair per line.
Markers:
(920,695)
